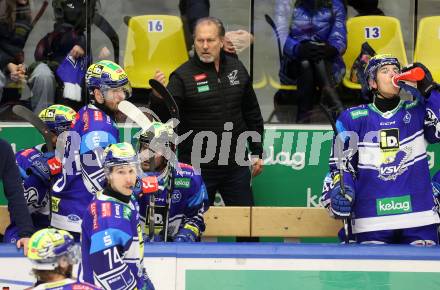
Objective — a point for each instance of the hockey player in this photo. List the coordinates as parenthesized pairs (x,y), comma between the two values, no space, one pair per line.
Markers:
(35,170)
(112,243)
(388,193)
(53,253)
(189,199)
(93,129)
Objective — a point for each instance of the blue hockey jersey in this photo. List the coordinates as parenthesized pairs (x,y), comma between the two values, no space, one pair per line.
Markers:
(82,175)
(35,192)
(189,201)
(385,162)
(112,245)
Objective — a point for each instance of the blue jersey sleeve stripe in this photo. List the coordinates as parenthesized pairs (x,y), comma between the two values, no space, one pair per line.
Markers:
(108,238)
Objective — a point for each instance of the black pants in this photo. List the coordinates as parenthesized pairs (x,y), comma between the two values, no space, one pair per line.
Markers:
(234,185)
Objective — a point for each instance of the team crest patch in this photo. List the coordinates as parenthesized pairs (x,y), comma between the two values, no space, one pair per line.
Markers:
(233,78)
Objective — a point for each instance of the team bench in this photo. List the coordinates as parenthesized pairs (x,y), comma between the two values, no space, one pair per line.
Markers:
(290,223)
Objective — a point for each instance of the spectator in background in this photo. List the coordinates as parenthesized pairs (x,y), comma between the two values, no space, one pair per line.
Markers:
(15,26)
(214,93)
(67,39)
(13,188)
(315,37)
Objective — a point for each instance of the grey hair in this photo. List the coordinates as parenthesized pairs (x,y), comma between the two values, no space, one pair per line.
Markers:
(217,22)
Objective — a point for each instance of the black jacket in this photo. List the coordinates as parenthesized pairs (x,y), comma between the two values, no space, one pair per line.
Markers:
(207,100)
(13,188)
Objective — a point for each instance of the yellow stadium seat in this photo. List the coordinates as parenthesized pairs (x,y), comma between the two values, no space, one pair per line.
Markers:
(260,83)
(278,86)
(153,42)
(384,35)
(428,45)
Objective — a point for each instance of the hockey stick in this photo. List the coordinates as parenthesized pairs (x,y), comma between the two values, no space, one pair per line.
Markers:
(135,114)
(174,113)
(29,116)
(166,96)
(270,21)
(338,152)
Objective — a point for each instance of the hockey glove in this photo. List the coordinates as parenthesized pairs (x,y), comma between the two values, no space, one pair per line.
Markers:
(45,166)
(309,50)
(427,84)
(340,206)
(188,233)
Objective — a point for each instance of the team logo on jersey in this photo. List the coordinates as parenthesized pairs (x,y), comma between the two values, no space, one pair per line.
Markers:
(232,76)
(396,165)
(407,118)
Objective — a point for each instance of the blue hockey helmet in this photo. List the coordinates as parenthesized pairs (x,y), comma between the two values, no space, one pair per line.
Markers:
(378,61)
